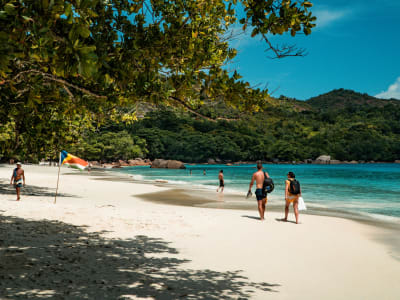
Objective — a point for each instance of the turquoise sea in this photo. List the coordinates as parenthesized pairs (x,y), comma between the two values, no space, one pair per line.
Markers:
(372,189)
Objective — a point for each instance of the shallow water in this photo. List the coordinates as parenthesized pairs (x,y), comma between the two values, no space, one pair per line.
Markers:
(372,189)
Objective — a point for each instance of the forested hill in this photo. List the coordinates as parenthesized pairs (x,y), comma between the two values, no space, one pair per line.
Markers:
(344,124)
(335,100)
(342,99)
(355,127)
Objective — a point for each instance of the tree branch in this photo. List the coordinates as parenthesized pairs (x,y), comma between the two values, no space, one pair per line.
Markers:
(71,96)
(285,50)
(185,105)
(56,79)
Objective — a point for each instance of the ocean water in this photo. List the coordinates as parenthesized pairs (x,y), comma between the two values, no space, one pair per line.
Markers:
(372,189)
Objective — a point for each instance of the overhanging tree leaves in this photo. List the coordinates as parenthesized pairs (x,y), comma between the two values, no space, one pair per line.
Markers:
(63,61)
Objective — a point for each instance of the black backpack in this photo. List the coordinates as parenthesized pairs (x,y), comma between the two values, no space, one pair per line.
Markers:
(294,187)
(268,184)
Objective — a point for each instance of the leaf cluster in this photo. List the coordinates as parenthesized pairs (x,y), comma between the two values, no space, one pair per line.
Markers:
(66,65)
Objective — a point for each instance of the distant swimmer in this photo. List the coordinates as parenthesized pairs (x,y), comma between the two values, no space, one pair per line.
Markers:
(292,194)
(18,179)
(204,172)
(221,181)
(261,193)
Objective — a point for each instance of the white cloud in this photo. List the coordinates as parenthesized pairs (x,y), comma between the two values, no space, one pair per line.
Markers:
(326,17)
(392,92)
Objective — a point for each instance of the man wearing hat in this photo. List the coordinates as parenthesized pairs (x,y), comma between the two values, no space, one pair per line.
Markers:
(18,175)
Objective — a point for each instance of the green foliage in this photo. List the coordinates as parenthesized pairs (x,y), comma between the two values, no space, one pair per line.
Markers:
(111,146)
(71,63)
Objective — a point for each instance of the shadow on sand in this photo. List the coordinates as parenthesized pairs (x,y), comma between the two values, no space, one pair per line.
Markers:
(285,221)
(49,259)
(251,217)
(30,190)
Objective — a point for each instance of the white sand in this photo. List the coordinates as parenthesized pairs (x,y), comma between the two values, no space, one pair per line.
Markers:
(212,253)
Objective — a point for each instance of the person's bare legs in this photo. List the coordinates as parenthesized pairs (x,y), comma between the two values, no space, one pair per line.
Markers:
(261,209)
(286,210)
(296,211)
(18,191)
(264,202)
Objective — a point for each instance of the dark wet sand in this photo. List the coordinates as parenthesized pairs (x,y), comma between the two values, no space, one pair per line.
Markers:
(211,199)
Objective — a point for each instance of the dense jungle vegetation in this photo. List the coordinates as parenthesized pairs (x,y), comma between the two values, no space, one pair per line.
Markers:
(342,123)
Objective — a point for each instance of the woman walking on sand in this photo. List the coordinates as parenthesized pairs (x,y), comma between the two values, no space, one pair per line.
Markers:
(292,194)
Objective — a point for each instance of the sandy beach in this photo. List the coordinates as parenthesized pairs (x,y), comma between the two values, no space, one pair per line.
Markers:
(102,240)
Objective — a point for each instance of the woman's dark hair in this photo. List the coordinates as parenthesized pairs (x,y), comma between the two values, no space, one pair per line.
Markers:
(222,171)
(291,175)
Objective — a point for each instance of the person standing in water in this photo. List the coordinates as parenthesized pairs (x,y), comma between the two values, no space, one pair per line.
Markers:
(18,178)
(292,194)
(261,194)
(221,181)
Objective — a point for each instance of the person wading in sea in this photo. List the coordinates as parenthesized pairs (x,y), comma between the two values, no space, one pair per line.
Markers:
(261,194)
(17,176)
(221,181)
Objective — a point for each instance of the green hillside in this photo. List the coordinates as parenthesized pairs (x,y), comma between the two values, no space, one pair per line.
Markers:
(344,124)
(355,127)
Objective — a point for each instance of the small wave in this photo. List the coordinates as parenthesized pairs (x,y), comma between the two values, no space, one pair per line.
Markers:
(171,181)
(204,186)
(137,177)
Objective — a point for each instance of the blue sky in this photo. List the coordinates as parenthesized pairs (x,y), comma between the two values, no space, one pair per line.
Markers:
(356,45)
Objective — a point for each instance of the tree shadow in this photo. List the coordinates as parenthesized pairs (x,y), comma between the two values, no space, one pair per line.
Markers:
(30,190)
(50,259)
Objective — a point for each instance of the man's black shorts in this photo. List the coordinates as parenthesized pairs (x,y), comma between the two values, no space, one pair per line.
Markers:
(260,194)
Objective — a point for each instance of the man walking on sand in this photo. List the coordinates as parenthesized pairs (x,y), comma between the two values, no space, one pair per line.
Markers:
(17,176)
(221,181)
(261,193)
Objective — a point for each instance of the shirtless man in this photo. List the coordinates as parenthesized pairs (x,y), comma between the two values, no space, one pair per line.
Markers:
(221,181)
(17,176)
(260,193)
